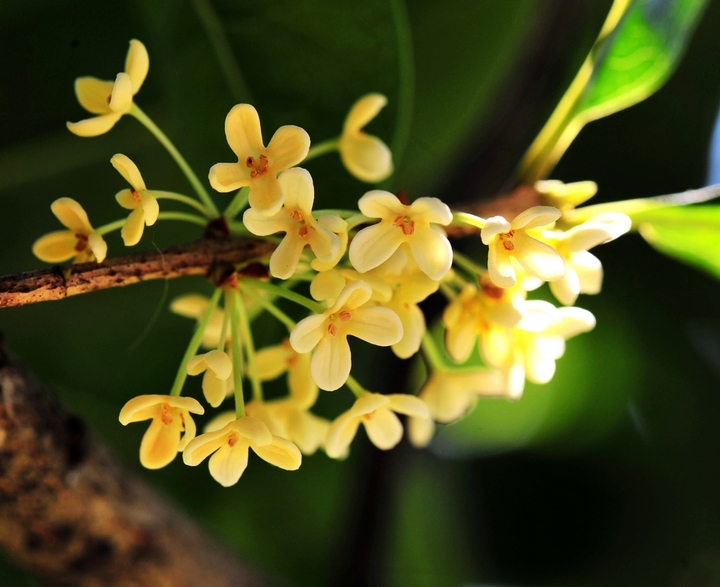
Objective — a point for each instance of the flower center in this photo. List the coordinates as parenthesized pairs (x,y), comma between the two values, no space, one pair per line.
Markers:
(405,224)
(82,242)
(136,196)
(166,414)
(303,231)
(506,239)
(259,166)
(233,439)
(332,329)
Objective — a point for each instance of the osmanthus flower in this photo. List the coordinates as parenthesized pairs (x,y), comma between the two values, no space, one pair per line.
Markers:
(217,367)
(194,306)
(327,285)
(144,205)
(508,240)
(487,312)
(327,334)
(449,395)
(418,225)
(365,156)
(565,196)
(340,228)
(230,445)
(410,286)
(171,428)
(583,270)
(258,165)
(536,343)
(376,412)
(79,240)
(271,362)
(295,219)
(110,100)
(287,418)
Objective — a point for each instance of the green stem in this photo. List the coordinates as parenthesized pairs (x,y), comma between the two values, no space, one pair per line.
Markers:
(322,148)
(223,51)
(355,387)
(231,305)
(194,345)
(470,266)
(183,216)
(223,332)
(238,203)
(175,154)
(469,219)
(270,307)
(432,353)
(246,332)
(447,291)
(109,227)
(281,292)
(342,213)
(161,195)
(358,219)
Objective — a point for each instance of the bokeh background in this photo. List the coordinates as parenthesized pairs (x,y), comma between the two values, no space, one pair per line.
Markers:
(608,475)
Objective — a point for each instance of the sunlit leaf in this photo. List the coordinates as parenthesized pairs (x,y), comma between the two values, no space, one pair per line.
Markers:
(688,233)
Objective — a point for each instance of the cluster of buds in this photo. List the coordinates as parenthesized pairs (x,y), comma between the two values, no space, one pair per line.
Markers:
(368,270)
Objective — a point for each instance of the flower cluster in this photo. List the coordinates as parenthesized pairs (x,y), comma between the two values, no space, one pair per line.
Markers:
(367,272)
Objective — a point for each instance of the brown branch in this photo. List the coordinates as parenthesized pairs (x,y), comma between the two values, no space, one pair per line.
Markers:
(196,258)
(74,516)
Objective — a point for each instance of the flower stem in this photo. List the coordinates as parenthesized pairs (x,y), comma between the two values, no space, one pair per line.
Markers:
(246,332)
(355,387)
(270,307)
(447,291)
(110,226)
(467,264)
(469,219)
(357,220)
(160,195)
(281,292)
(175,154)
(322,148)
(194,345)
(342,213)
(238,203)
(231,305)
(432,353)
(183,216)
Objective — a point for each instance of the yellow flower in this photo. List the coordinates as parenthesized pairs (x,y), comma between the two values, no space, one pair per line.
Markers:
(144,205)
(327,285)
(217,367)
(375,412)
(110,100)
(231,444)
(410,286)
(258,165)
(449,395)
(271,362)
(508,240)
(79,241)
(170,418)
(365,156)
(416,224)
(295,219)
(331,362)
(194,306)
(565,196)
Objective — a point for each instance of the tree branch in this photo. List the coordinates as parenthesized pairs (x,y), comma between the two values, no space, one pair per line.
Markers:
(74,516)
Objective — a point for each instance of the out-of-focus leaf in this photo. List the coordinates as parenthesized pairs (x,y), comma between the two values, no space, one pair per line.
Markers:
(688,233)
(638,48)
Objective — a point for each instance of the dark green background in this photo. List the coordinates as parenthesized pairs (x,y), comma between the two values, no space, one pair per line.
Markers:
(609,475)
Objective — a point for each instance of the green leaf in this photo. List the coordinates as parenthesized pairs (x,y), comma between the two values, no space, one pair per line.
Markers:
(637,50)
(689,234)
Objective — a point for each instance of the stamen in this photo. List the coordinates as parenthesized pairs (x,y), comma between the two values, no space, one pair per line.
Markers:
(404,223)
(232,440)
(506,238)
(166,414)
(82,242)
(136,196)
(296,215)
(332,329)
(344,315)
(303,232)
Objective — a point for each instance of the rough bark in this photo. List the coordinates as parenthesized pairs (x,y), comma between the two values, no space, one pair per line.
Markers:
(74,516)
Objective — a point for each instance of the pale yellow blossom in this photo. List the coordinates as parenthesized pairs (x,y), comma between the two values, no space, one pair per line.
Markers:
(79,241)
(376,412)
(110,100)
(418,225)
(257,165)
(139,199)
(231,445)
(286,418)
(508,240)
(171,428)
(365,156)
(295,219)
(565,196)
(271,362)
(194,306)
(327,334)
(217,367)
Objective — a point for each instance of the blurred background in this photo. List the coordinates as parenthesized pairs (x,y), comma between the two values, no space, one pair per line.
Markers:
(608,475)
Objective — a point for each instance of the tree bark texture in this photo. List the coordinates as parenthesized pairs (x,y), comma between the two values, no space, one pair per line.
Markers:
(74,516)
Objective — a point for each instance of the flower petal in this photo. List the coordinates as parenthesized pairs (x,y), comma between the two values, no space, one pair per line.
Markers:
(373,245)
(366,157)
(159,445)
(300,382)
(271,362)
(331,362)
(137,64)
(432,252)
(122,94)
(55,247)
(410,405)
(242,130)
(307,333)
(381,204)
(254,430)
(133,228)
(286,255)
(432,210)
(280,452)
(204,445)
(219,362)
(95,126)
(71,214)
(413,326)
(94,94)
(150,206)
(128,170)
(227,177)
(538,258)
(229,463)
(297,188)
(340,435)
(383,428)
(376,325)
(589,271)
(98,246)
(363,111)
(288,146)
(500,268)
(265,194)
(535,217)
